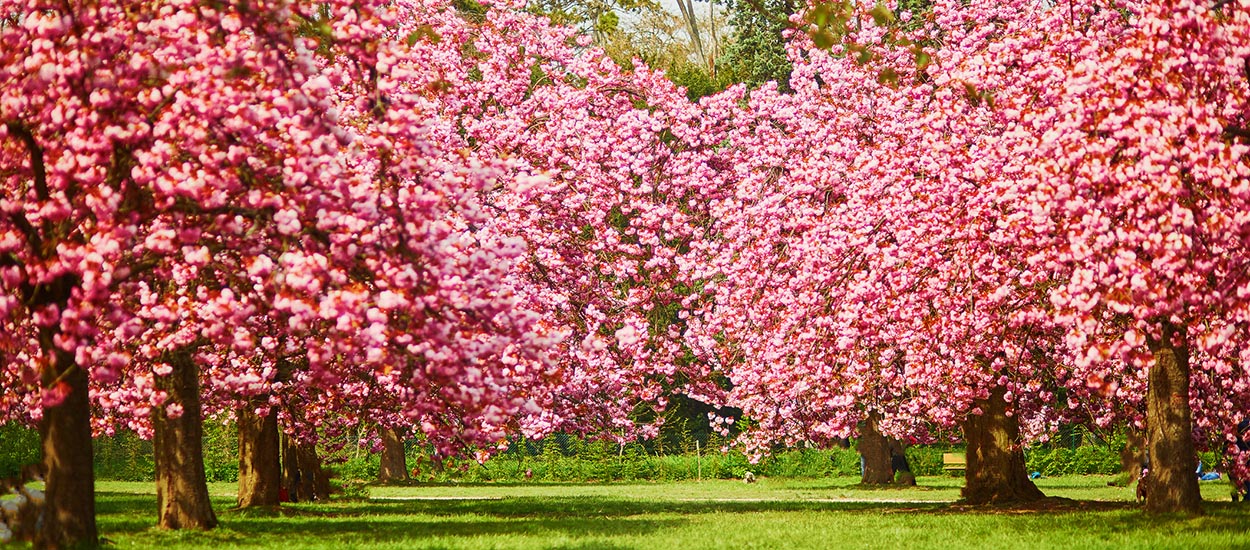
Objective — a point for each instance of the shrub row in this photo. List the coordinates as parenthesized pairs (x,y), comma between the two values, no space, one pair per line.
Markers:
(126,457)
(18,447)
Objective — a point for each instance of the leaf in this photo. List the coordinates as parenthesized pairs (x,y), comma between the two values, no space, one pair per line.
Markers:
(424,31)
(608,22)
(823,39)
(923,60)
(881,15)
(819,15)
(888,77)
(972,94)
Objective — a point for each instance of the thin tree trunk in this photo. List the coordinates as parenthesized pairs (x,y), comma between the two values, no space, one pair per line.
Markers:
(995,472)
(1133,456)
(182,500)
(260,473)
(291,479)
(875,454)
(65,434)
(692,25)
(394,467)
(1171,485)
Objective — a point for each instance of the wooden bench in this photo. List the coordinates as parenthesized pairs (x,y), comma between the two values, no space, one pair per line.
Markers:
(954,462)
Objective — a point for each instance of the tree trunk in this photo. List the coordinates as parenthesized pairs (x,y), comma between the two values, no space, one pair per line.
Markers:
(995,472)
(1171,485)
(260,473)
(1133,456)
(182,500)
(65,434)
(874,454)
(291,479)
(314,479)
(394,467)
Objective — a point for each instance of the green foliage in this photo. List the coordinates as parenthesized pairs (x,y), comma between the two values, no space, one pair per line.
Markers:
(471,10)
(221,451)
(608,22)
(565,458)
(599,16)
(19,446)
(927,460)
(124,457)
(1082,460)
(757,52)
(570,459)
(364,467)
(696,80)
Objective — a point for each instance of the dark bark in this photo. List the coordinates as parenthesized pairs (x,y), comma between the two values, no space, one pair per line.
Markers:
(182,500)
(260,472)
(995,473)
(1171,485)
(394,467)
(65,432)
(302,475)
(874,451)
(291,479)
(314,480)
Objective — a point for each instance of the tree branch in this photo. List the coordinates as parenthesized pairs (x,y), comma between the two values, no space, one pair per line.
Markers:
(36,157)
(1237,132)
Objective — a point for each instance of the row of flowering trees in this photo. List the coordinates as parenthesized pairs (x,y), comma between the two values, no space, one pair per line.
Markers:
(462,221)
(996,218)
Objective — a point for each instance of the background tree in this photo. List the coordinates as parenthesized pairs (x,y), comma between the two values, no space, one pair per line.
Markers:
(756,52)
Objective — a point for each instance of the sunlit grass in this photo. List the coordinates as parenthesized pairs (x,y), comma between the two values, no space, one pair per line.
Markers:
(820,513)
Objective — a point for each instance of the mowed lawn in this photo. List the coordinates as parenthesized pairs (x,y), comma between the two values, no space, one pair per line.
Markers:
(822,513)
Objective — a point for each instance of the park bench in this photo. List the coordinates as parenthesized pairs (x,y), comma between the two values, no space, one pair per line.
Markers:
(954,462)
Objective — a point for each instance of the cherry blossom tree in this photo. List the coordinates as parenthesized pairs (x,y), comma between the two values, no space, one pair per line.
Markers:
(142,141)
(1133,187)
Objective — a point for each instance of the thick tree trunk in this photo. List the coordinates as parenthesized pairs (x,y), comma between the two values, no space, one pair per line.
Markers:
(1171,485)
(260,473)
(65,433)
(394,467)
(315,481)
(995,472)
(874,452)
(182,500)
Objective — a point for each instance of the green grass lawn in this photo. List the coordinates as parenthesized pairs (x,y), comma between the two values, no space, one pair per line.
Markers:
(821,513)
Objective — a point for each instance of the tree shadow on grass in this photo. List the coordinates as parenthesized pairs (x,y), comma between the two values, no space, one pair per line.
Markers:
(580,517)
(886,487)
(592,507)
(503,484)
(426,527)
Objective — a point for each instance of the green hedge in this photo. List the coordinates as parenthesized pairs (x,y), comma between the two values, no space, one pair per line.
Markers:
(127,457)
(19,446)
(591,461)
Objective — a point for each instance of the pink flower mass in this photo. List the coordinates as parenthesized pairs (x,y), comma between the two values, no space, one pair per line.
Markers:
(481,227)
